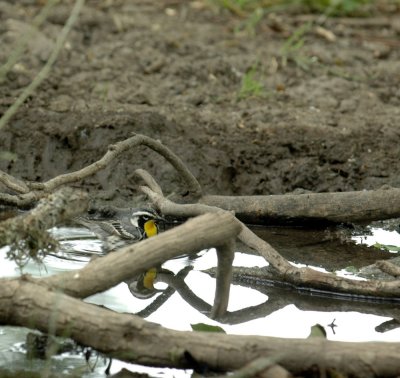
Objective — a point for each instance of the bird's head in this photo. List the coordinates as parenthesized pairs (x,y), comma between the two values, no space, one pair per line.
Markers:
(146,220)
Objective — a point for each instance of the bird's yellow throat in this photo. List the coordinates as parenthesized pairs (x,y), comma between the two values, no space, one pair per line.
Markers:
(150,228)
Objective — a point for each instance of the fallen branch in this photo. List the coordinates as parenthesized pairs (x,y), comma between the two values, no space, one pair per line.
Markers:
(340,207)
(207,231)
(388,267)
(29,302)
(304,277)
(126,337)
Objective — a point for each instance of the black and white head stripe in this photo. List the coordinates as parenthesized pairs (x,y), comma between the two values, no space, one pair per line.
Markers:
(142,215)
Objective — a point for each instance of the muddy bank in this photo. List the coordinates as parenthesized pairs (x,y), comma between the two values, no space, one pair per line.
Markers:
(326,117)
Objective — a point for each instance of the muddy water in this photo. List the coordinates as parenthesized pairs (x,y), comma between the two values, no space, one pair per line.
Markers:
(254,308)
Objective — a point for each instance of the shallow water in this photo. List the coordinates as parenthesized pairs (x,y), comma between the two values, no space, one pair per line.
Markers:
(253,308)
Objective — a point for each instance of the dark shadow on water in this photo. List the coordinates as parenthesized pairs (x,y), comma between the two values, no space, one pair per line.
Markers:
(329,248)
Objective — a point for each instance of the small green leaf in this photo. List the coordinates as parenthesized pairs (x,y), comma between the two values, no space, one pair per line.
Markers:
(317,331)
(202,327)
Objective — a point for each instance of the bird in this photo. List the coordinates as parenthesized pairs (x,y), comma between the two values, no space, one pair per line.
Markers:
(117,227)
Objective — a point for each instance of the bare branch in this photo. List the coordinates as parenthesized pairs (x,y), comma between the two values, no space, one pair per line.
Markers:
(305,277)
(113,153)
(339,207)
(196,234)
(168,207)
(149,180)
(127,337)
(13,183)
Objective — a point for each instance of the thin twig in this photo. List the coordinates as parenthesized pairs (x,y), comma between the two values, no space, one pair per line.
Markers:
(23,40)
(44,72)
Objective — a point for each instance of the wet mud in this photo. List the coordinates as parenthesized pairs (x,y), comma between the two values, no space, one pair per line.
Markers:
(325,117)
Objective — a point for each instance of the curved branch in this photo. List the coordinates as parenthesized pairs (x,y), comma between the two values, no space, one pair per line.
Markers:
(13,183)
(168,207)
(114,151)
(191,181)
(149,180)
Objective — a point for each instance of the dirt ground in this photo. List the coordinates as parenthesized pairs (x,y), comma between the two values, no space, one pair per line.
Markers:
(324,116)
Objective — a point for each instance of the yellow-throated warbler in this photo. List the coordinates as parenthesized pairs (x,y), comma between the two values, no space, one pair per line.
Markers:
(117,227)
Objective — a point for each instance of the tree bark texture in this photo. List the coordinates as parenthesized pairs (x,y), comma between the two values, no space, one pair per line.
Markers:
(346,207)
(206,231)
(127,337)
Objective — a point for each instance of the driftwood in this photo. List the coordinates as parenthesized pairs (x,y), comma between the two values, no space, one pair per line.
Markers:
(341,207)
(31,302)
(130,338)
